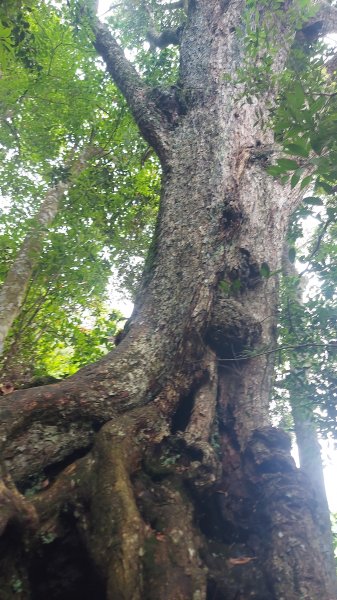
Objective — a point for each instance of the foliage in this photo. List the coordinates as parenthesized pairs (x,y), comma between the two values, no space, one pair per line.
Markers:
(304,116)
(131,22)
(307,329)
(15,34)
(259,35)
(106,219)
(305,123)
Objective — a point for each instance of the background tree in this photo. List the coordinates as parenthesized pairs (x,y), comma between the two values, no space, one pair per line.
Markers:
(155,473)
(71,275)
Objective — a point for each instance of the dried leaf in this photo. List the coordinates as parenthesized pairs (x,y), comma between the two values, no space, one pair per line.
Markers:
(241,560)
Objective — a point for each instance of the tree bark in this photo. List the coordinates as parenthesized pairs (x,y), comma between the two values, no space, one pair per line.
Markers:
(158,464)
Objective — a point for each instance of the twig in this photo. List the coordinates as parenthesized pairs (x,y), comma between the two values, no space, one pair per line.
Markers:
(277,349)
(318,243)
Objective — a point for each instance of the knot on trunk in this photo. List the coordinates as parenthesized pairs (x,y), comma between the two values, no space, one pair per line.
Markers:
(231,329)
(268,451)
(205,470)
(184,457)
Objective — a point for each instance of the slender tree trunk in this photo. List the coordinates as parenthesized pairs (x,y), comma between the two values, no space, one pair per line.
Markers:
(311,464)
(12,292)
(158,465)
(307,440)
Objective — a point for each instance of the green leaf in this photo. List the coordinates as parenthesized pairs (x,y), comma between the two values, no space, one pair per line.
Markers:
(296,97)
(305,181)
(323,165)
(286,164)
(292,254)
(274,170)
(298,149)
(265,270)
(313,200)
(331,211)
(318,104)
(296,177)
(317,143)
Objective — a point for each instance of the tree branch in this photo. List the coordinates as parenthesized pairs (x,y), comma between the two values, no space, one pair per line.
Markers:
(322,23)
(151,121)
(249,356)
(318,242)
(164,38)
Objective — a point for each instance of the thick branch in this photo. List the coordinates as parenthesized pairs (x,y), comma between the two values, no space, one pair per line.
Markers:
(202,417)
(164,38)
(149,118)
(117,549)
(14,507)
(17,280)
(44,425)
(167,36)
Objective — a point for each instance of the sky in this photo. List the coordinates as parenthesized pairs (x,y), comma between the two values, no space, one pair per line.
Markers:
(329,454)
(104,5)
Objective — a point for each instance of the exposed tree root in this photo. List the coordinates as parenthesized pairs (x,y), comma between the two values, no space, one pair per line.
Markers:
(150,512)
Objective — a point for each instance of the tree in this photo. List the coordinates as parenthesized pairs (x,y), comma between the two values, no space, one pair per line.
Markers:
(155,473)
(15,286)
(55,103)
(296,377)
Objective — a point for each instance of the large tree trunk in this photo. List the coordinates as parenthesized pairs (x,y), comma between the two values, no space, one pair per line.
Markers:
(186,492)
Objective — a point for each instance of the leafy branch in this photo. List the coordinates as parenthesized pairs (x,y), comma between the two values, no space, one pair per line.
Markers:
(148,116)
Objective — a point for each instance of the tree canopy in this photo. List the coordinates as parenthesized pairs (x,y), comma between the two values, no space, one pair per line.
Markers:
(52,106)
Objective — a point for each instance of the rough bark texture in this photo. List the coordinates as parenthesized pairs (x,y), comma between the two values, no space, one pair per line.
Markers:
(155,474)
